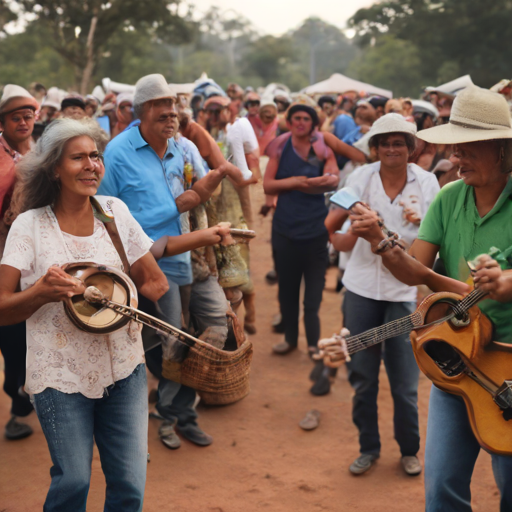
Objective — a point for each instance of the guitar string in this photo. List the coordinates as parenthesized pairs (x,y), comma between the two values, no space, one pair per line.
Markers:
(374,336)
(404,325)
(388,330)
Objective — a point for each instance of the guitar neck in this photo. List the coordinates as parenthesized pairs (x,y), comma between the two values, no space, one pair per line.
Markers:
(405,325)
(378,334)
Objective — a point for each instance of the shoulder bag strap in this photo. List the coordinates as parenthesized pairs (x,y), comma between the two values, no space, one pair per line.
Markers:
(108,220)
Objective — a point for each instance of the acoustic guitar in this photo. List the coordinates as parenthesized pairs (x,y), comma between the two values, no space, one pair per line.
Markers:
(452,342)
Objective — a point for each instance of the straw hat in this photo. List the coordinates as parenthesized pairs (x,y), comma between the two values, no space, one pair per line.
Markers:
(477,114)
(14,98)
(392,123)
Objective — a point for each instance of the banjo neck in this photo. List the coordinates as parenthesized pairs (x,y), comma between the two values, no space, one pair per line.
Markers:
(150,321)
(408,324)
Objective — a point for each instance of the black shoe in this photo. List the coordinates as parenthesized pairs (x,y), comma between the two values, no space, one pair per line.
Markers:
(277,324)
(316,371)
(15,430)
(322,385)
(195,435)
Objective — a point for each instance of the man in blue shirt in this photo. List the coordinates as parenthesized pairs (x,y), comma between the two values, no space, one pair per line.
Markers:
(139,167)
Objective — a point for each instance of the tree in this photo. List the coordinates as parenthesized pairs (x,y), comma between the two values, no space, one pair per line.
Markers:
(25,57)
(392,64)
(81,31)
(472,34)
(322,49)
(267,55)
(6,14)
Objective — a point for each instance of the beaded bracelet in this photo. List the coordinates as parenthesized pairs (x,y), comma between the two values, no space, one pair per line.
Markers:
(388,243)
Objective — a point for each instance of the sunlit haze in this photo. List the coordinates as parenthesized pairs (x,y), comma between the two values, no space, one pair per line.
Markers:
(277,17)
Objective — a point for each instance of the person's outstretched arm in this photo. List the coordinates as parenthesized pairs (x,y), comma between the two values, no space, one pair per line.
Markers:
(343,149)
(412,268)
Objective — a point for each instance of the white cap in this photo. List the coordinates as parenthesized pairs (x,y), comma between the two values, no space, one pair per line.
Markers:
(124,97)
(15,97)
(53,98)
(152,87)
(425,107)
(392,123)
(267,101)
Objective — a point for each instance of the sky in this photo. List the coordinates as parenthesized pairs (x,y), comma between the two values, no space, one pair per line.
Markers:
(276,17)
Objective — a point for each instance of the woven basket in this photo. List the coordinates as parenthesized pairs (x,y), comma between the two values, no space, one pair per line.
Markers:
(220,377)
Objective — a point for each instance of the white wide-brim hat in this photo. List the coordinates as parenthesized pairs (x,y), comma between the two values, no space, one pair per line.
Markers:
(392,123)
(477,114)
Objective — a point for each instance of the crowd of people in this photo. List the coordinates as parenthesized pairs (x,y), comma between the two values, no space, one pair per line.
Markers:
(176,171)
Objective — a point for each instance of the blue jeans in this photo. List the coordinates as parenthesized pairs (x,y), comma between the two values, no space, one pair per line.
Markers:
(450,456)
(361,314)
(175,401)
(118,423)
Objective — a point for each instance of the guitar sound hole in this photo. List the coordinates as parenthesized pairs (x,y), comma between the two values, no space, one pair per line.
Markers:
(446,357)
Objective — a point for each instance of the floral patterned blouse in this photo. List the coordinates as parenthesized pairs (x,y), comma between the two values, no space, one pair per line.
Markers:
(59,355)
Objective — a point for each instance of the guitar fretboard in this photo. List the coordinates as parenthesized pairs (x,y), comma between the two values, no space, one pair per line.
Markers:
(405,325)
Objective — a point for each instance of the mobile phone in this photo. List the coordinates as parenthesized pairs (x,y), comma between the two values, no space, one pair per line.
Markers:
(346,198)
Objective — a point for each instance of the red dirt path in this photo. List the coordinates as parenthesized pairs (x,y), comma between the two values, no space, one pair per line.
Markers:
(260,458)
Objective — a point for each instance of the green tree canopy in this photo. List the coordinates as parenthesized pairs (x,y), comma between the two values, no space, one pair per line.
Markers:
(80,31)
(392,64)
(453,36)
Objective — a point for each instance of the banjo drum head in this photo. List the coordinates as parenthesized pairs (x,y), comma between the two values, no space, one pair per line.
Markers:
(115,286)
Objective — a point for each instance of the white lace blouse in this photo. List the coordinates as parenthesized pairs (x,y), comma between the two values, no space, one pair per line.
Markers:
(59,355)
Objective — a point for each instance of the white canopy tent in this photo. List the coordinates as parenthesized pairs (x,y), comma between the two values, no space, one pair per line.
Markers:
(339,84)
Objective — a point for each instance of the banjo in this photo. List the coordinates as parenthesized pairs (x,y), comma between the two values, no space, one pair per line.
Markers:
(109,302)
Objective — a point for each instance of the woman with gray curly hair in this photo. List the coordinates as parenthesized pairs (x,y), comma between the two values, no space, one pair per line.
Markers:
(85,387)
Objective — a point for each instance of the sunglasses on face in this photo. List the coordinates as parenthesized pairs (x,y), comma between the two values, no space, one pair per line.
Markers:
(253,103)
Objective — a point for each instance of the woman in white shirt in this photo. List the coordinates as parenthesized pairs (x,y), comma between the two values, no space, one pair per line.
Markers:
(85,387)
(401,193)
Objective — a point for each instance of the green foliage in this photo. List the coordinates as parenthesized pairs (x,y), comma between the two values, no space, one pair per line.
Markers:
(27,57)
(267,55)
(132,54)
(454,36)
(81,31)
(392,64)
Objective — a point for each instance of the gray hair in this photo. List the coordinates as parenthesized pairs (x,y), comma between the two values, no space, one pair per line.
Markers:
(37,185)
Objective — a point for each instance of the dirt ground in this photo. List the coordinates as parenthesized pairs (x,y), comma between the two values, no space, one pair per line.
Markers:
(260,458)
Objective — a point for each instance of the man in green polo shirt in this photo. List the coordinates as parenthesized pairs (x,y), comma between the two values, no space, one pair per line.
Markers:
(468,219)
(454,225)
